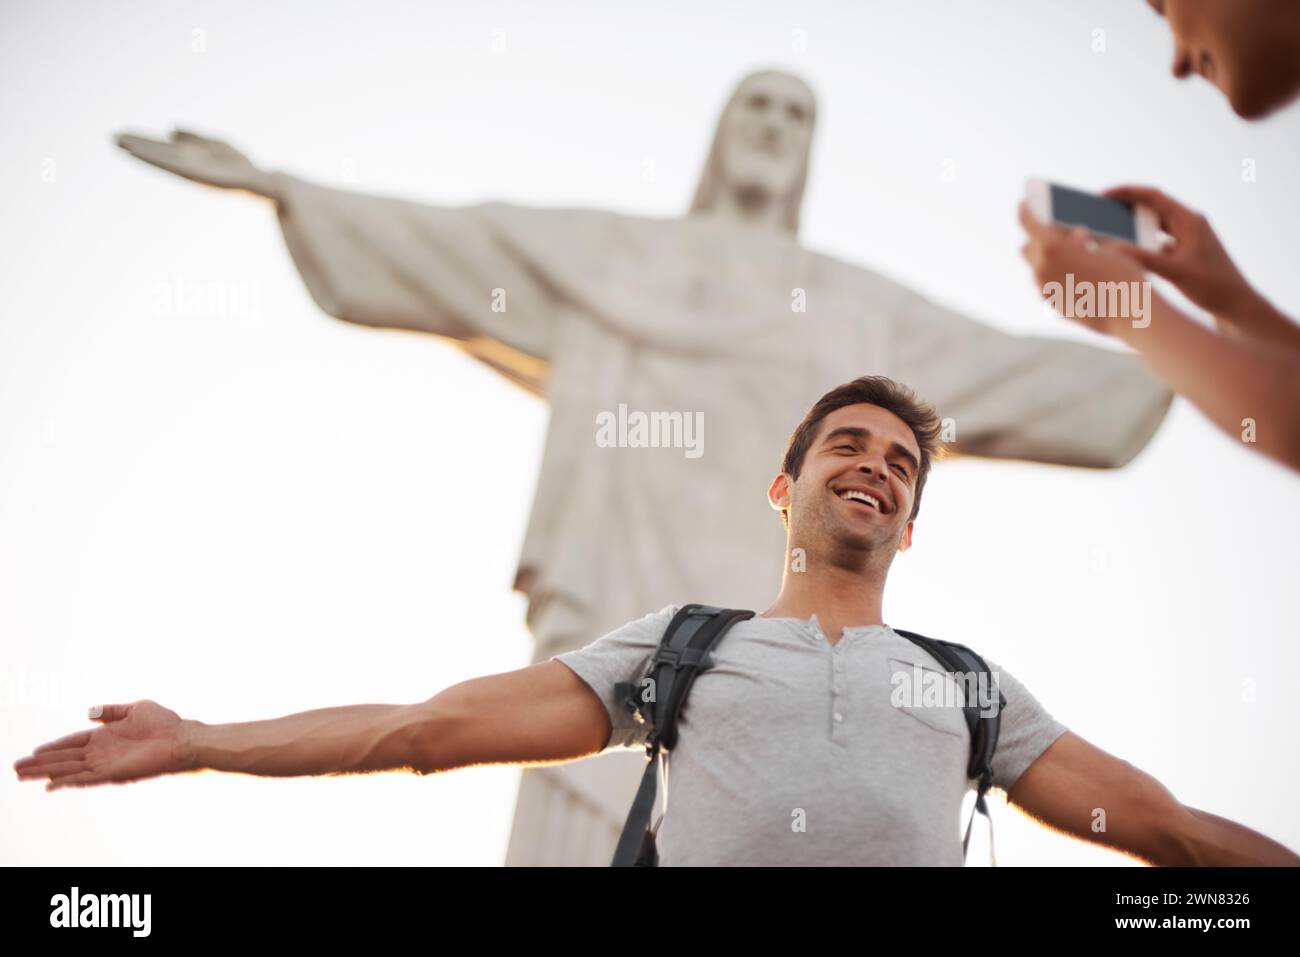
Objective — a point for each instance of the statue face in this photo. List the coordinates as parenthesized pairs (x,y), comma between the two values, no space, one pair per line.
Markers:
(766,135)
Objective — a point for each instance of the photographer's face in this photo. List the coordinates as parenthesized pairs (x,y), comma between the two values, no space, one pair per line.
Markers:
(1238,45)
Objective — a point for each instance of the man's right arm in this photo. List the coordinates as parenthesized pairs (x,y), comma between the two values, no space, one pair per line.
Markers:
(543,713)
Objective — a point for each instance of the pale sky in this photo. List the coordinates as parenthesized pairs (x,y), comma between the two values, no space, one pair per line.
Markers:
(216,496)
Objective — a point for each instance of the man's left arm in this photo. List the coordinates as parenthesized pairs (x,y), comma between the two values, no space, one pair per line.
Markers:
(1078,789)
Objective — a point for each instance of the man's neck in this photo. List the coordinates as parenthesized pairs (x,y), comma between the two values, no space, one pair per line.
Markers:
(840,597)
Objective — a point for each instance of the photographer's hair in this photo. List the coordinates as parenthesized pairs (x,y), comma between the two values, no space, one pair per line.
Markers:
(919,415)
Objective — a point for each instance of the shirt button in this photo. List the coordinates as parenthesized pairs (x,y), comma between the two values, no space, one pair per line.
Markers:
(838,716)
(836,689)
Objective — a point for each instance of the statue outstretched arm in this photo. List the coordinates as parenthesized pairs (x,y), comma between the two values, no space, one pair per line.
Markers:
(1027,397)
(389,263)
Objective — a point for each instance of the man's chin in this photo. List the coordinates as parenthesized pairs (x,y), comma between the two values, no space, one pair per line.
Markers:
(868,539)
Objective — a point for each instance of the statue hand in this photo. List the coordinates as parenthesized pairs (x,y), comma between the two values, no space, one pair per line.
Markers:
(201,159)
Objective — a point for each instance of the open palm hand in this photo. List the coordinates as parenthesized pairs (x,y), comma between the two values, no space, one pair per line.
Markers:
(134,742)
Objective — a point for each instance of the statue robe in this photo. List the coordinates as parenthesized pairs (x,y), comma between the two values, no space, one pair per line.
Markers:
(689,315)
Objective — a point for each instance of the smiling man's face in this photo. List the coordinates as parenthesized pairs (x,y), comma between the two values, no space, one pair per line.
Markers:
(857,483)
(1247,48)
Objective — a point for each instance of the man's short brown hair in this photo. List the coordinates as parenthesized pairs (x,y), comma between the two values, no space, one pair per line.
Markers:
(919,415)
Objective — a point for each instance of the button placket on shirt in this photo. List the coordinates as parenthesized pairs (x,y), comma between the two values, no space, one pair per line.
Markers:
(838,710)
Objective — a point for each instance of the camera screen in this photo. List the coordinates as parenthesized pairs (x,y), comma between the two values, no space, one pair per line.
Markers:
(1101,214)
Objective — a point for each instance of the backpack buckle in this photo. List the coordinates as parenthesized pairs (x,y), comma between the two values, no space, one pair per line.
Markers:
(626,693)
(698,657)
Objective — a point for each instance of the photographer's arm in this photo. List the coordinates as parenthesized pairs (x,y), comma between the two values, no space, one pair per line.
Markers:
(1247,388)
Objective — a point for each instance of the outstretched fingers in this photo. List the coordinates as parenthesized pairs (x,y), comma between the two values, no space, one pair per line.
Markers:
(166,156)
(139,145)
(58,770)
(45,758)
(78,739)
(79,780)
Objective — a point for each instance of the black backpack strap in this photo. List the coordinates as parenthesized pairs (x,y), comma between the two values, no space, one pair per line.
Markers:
(983,727)
(682,653)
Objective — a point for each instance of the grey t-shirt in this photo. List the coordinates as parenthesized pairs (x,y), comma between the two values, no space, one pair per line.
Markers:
(792,750)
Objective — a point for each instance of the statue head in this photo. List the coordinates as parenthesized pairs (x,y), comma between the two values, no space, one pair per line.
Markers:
(761,147)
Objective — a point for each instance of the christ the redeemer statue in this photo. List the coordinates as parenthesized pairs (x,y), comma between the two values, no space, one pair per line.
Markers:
(721,317)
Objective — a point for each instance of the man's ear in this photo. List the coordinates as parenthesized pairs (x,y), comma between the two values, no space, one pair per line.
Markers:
(778,493)
(905,541)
